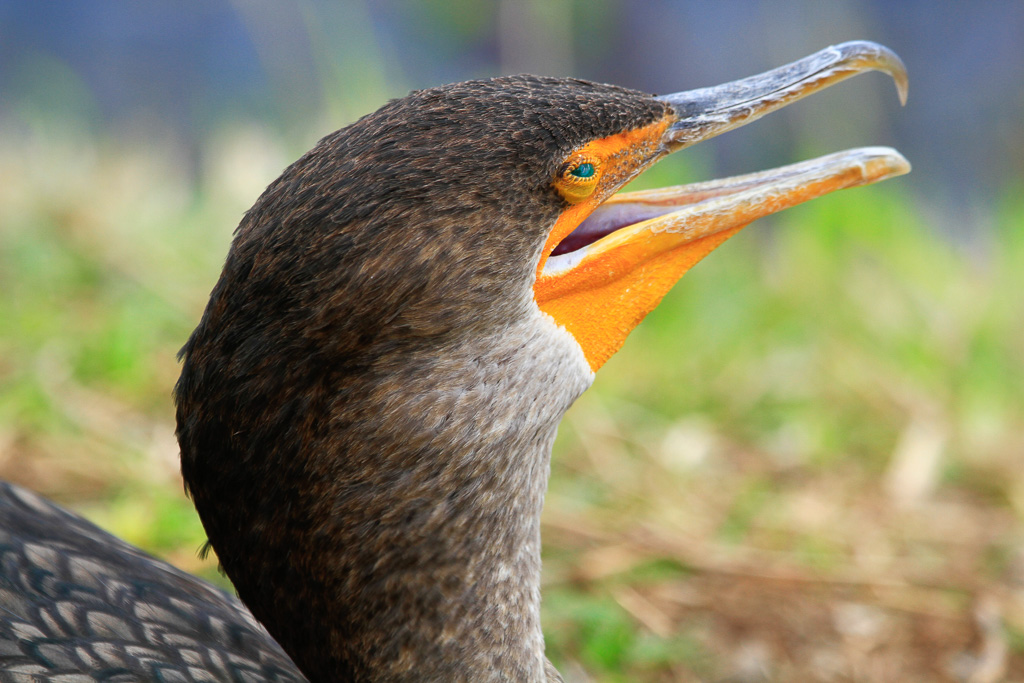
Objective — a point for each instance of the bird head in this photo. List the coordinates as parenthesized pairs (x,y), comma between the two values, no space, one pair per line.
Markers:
(464,206)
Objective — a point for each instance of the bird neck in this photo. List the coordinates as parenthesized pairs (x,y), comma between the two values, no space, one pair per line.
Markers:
(398,536)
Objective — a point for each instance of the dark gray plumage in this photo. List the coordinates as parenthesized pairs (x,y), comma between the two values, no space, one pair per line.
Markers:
(366,409)
(75,599)
(365,412)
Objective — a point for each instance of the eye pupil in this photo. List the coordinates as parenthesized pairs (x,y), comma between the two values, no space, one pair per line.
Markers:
(584,170)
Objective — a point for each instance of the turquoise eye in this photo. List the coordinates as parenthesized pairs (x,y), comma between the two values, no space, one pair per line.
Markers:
(584,170)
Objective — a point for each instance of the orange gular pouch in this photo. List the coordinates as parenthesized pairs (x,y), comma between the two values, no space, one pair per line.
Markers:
(602,299)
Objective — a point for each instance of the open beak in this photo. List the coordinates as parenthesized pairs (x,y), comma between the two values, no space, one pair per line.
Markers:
(623,255)
(620,260)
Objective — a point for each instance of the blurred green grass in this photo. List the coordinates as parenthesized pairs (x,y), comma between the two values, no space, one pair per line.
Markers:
(832,400)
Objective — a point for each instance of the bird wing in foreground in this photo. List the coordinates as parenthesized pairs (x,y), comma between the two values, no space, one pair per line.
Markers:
(73,599)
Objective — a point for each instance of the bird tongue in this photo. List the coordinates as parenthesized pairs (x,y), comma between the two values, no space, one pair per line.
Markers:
(608,218)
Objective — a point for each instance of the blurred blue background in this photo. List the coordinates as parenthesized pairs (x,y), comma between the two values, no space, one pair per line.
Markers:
(181,71)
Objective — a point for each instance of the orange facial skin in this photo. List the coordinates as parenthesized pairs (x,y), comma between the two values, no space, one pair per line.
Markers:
(602,315)
(620,158)
(601,301)
(607,287)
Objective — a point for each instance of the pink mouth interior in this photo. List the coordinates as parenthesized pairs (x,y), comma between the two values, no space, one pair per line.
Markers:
(606,220)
